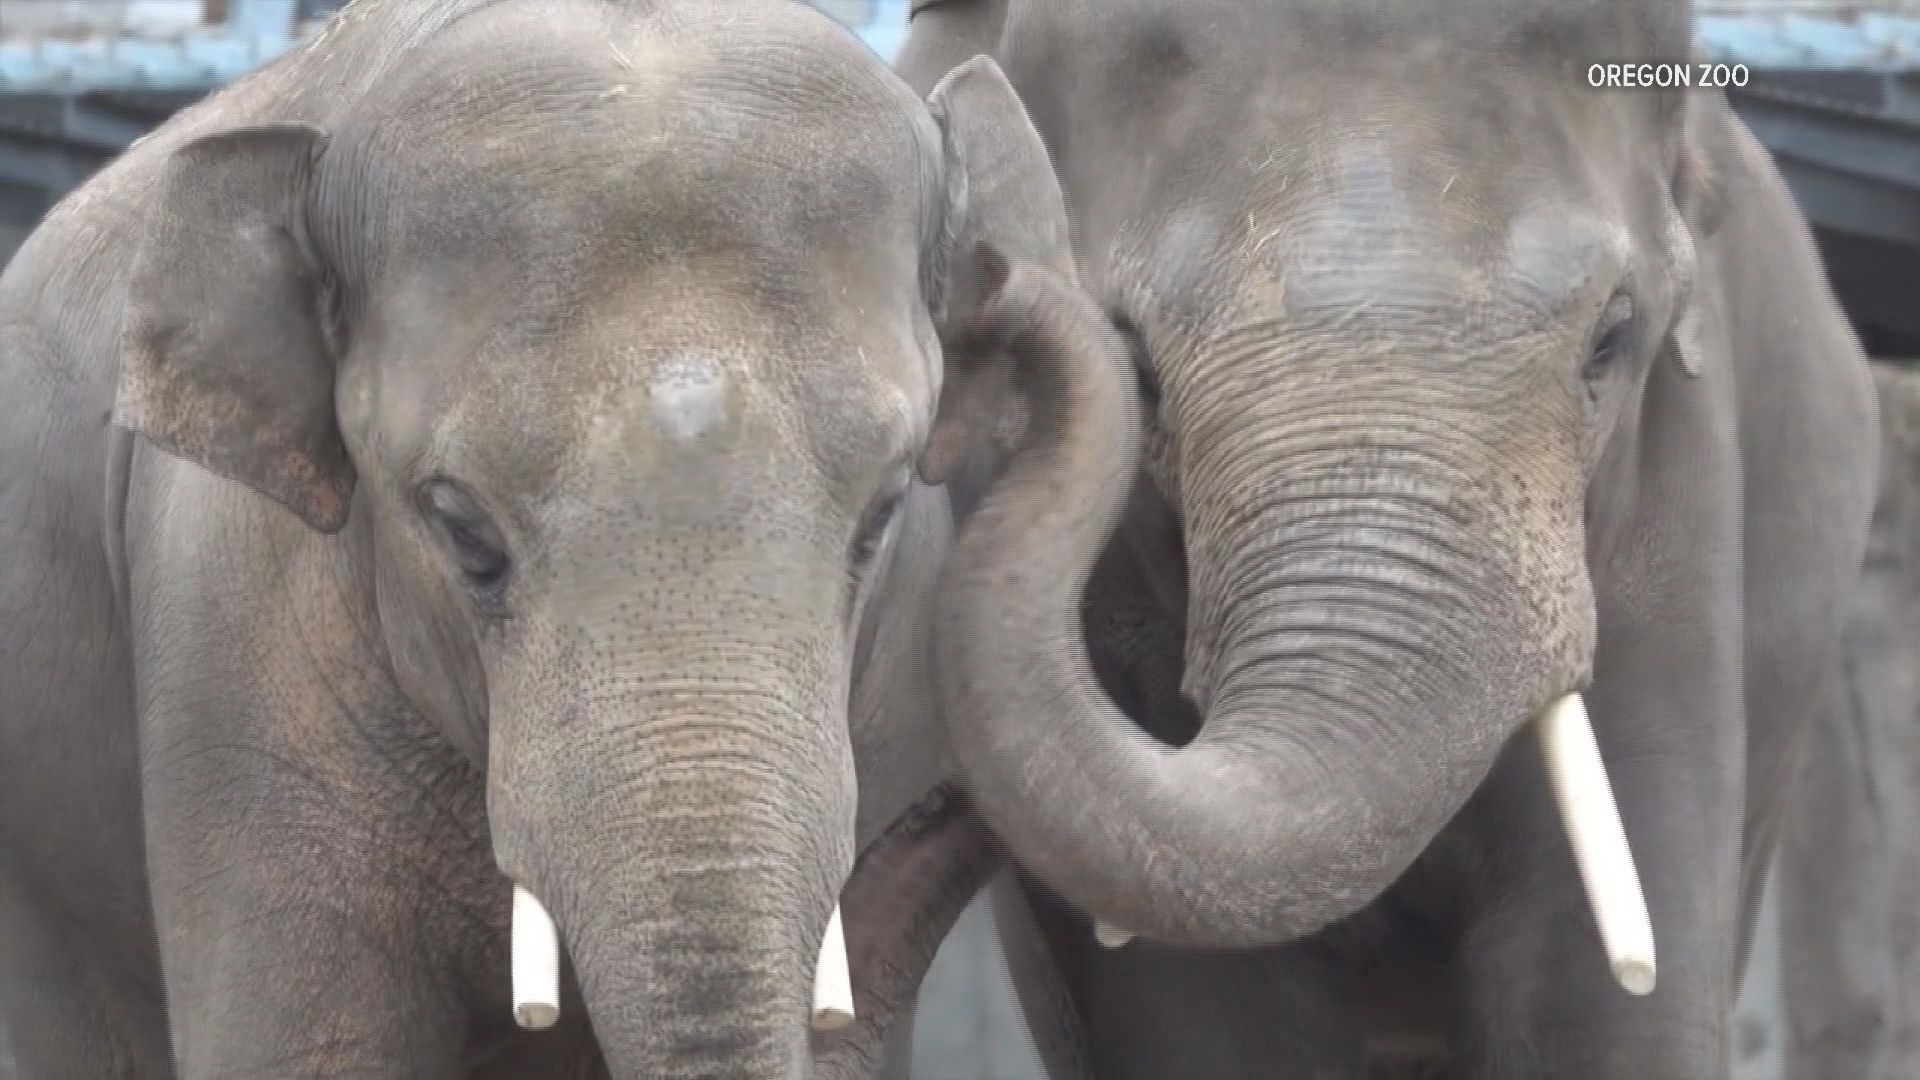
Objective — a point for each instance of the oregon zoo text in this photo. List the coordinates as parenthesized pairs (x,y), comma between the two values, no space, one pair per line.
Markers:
(1663,76)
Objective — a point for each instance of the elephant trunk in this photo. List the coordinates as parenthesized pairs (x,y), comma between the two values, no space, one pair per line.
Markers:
(691,859)
(1371,617)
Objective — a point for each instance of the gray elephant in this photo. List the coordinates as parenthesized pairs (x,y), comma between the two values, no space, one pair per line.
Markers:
(1848,868)
(1473,386)
(514,484)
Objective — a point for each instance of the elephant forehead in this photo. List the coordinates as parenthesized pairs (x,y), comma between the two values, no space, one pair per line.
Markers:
(1359,223)
(637,131)
(684,409)
(688,396)
(1360,232)
(736,420)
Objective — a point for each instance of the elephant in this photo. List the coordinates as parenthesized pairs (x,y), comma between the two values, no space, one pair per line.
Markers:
(1468,386)
(1848,867)
(464,490)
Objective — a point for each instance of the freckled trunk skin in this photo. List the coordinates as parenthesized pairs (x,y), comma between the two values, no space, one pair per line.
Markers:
(1374,611)
(690,852)
(701,973)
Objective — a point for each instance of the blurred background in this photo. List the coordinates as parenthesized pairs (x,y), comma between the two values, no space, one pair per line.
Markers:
(1834,93)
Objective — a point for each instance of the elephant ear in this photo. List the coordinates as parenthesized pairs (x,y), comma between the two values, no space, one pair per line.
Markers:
(224,361)
(1003,205)
(1699,193)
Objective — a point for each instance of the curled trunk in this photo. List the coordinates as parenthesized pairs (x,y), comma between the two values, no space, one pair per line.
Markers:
(1366,635)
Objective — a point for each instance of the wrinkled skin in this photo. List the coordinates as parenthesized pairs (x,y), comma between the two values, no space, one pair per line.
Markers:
(1848,866)
(514,482)
(1472,386)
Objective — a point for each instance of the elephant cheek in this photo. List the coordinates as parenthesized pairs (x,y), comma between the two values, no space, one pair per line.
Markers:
(432,652)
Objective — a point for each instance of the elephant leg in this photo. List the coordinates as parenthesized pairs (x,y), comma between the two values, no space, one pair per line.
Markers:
(65,1014)
(316,922)
(1839,878)
(1152,1012)
(79,983)
(321,871)
(297,990)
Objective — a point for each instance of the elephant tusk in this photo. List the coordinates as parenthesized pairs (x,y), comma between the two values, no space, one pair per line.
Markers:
(1599,841)
(536,963)
(832,982)
(1110,935)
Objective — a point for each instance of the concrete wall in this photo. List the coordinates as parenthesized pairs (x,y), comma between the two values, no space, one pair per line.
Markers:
(969,1025)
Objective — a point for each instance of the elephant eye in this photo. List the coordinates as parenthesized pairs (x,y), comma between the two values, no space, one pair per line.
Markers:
(471,538)
(1614,339)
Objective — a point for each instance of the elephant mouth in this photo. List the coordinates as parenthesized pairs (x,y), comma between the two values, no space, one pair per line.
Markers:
(1156,535)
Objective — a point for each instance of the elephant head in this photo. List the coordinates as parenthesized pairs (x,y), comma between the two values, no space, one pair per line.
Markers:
(612,370)
(1394,282)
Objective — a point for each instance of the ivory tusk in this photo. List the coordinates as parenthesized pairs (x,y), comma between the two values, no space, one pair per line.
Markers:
(1110,935)
(832,982)
(536,963)
(1599,841)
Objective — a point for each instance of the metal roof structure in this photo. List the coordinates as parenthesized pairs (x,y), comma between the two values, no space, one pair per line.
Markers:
(1810,34)
(81,46)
